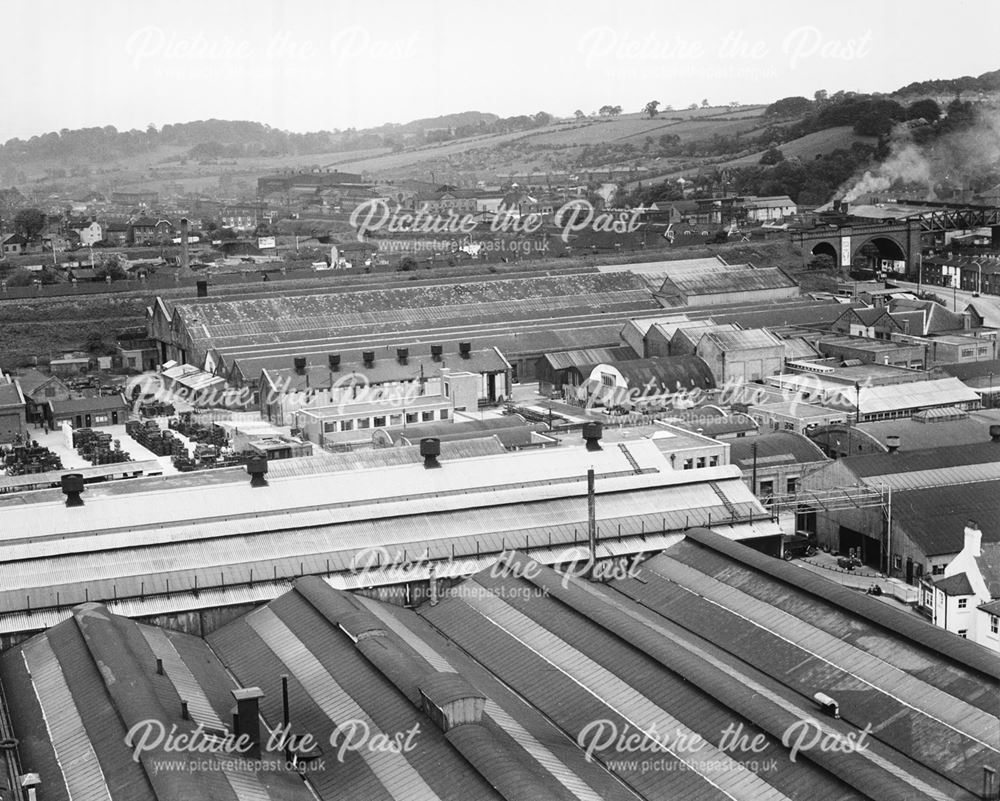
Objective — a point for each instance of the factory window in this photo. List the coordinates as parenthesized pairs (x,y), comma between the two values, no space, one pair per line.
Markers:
(379,422)
(427,417)
(688,464)
(346,425)
(713,461)
(100,418)
(981,351)
(937,570)
(395,419)
(330,427)
(701,461)
(994,624)
(793,486)
(50,392)
(607,379)
(411,417)
(766,490)
(966,352)
(444,414)
(963,603)
(364,422)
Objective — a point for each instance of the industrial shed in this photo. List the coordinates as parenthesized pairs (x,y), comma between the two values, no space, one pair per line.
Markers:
(739,357)
(211,540)
(504,675)
(623,384)
(725,283)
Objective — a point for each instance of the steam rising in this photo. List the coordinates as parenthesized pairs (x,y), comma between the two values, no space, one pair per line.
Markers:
(954,158)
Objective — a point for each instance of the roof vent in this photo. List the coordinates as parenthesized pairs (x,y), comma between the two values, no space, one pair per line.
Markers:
(368,357)
(995,433)
(436,352)
(450,700)
(892,443)
(592,433)
(430,449)
(828,705)
(300,365)
(465,348)
(257,468)
(334,359)
(72,487)
(402,355)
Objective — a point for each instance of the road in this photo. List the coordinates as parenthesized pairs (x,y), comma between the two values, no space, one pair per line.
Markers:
(957,300)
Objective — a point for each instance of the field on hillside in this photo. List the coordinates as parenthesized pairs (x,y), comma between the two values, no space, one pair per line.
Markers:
(811,145)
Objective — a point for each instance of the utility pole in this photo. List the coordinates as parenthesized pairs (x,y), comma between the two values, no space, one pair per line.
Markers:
(753,480)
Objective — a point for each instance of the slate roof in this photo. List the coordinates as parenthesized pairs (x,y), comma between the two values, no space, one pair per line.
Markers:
(97,403)
(955,585)
(32,379)
(10,394)
(934,517)
(911,459)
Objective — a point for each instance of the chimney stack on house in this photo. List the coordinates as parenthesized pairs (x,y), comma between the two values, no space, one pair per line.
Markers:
(973,539)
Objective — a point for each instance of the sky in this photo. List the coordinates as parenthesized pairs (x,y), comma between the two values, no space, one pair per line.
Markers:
(324,64)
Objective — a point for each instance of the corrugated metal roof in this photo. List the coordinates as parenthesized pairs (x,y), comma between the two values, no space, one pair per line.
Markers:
(77,760)
(183,679)
(716,767)
(939,477)
(749,339)
(392,769)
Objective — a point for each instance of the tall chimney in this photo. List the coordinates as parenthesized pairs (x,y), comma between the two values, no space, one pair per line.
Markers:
(72,487)
(248,711)
(185,255)
(973,539)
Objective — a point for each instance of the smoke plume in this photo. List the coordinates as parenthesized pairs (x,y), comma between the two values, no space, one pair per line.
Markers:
(951,160)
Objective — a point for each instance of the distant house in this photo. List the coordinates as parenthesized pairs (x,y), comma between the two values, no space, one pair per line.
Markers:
(874,323)
(87,232)
(142,230)
(38,389)
(966,599)
(103,410)
(116,234)
(242,217)
(14,245)
(764,209)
